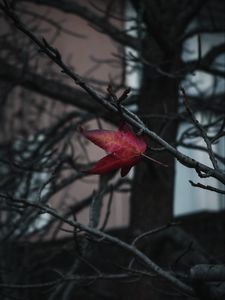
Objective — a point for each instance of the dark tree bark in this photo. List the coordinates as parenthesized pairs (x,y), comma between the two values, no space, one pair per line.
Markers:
(165,24)
(152,195)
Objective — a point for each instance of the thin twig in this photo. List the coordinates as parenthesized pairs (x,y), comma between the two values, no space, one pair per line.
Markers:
(201,130)
(207,187)
(130,117)
(149,264)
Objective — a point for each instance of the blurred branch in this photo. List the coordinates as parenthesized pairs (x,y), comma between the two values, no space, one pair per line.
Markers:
(100,23)
(205,63)
(75,278)
(148,263)
(201,30)
(48,87)
(201,130)
(208,272)
(50,21)
(188,14)
(130,117)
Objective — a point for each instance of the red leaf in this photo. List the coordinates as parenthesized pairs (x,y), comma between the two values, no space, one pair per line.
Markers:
(124,147)
(106,164)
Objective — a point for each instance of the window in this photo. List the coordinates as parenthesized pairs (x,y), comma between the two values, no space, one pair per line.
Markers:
(190,199)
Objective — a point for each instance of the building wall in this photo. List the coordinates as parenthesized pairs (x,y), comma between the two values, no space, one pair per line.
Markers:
(90,53)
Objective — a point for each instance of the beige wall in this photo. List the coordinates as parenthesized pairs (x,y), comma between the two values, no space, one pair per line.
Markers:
(81,54)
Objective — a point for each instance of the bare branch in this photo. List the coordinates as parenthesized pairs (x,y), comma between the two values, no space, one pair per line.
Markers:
(150,265)
(99,22)
(207,187)
(130,117)
(206,62)
(202,132)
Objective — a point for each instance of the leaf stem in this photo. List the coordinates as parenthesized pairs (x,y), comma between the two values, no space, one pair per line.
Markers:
(154,160)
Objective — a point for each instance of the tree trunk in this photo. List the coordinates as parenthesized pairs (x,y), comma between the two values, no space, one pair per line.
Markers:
(152,195)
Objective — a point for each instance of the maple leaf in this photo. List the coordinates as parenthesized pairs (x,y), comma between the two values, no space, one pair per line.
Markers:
(124,149)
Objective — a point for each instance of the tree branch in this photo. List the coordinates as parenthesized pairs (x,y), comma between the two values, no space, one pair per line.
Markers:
(207,187)
(149,264)
(206,61)
(48,87)
(202,132)
(101,23)
(189,12)
(130,117)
